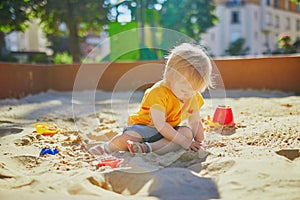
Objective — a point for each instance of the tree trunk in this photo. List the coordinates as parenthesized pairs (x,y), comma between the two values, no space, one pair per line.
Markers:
(74,42)
(2,43)
(73,38)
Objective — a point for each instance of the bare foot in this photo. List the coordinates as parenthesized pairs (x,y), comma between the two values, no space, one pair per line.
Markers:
(96,149)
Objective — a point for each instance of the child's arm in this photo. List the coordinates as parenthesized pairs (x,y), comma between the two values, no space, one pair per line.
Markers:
(197,127)
(159,121)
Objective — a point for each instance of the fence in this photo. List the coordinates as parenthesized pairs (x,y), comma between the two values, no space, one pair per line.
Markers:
(273,73)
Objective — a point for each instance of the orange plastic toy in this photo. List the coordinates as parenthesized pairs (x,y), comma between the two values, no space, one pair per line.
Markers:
(45,129)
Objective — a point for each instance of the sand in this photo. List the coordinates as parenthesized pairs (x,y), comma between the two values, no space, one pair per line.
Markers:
(259,160)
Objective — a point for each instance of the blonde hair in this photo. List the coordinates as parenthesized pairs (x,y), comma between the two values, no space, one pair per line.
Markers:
(190,62)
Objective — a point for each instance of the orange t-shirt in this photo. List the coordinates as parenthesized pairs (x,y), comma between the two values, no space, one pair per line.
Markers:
(162,98)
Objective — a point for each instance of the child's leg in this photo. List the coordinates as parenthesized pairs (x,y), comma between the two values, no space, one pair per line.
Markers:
(119,142)
(164,146)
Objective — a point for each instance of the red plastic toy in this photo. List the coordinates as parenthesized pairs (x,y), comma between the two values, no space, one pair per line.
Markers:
(112,162)
(224,116)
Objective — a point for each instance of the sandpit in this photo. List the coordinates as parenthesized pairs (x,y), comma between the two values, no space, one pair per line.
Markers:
(259,160)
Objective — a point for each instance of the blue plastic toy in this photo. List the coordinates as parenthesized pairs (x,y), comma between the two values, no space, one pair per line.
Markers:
(51,151)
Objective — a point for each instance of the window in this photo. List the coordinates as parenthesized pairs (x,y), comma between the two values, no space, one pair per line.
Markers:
(268,2)
(298,25)
(235,17)
(276,3)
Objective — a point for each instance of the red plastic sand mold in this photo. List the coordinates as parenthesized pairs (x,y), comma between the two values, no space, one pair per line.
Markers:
(224,116)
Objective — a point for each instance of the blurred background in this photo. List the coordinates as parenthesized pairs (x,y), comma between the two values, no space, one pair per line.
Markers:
(67,31)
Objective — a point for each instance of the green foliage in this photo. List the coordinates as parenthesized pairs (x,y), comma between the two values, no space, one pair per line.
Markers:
(284,44)
(8,58)
(147,54)
(152,16)
(126,40)
(236,48)
(188,16)
(14,14)
(62,58)
(81,16)
(85,15)
(39,58)
(13,17)
(295,1)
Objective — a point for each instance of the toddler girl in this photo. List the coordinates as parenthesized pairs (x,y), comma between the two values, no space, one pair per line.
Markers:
(157,126)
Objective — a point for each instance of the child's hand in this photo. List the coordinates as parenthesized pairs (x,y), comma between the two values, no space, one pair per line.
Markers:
(195,146)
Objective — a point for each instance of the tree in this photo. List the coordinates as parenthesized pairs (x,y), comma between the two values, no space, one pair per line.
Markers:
(295,1)
(79,16)
(142,12)
(237,48)
(13,17)
(188,16)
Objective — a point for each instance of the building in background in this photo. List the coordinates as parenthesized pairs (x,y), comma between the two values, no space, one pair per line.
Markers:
(28,46)
(32,40)
(259,22)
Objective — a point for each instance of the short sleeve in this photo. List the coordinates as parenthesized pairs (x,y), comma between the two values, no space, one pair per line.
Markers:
(199,101)
(155,98)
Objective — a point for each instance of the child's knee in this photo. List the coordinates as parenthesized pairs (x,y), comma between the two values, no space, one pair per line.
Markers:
(132,135)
